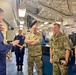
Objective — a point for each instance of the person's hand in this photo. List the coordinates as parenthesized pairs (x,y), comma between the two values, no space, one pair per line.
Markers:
(2,27)
(64,62)
(51,60)
(21,48)
(15,42)
(8,56)
(75,61)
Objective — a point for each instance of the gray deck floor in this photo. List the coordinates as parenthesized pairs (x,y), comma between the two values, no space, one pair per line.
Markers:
(12,69)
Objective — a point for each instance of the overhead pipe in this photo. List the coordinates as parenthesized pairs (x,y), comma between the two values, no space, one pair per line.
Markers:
(6,22)
(39,18)
(69,4)
(53,9)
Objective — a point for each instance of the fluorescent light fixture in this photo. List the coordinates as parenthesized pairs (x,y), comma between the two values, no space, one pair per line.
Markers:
(21,26)
(66,27)
(58,22)
(22,12)
(46,22)
(21,22)
(42,25)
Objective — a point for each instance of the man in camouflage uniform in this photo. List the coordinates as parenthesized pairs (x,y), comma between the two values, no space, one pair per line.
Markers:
(34,50)
(59,51)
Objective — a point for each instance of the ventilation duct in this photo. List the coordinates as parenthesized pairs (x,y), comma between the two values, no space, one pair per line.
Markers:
(29,21)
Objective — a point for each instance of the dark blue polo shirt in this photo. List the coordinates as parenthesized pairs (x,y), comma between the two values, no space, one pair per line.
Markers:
(21,38)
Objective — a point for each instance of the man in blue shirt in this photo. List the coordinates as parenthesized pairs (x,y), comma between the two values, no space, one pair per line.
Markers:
(19,50)
(4,48)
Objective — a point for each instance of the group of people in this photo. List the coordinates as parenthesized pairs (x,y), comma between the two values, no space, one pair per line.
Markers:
(33,42)
(60,49)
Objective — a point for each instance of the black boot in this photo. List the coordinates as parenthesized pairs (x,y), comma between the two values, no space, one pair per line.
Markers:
(21,67)
(18,68)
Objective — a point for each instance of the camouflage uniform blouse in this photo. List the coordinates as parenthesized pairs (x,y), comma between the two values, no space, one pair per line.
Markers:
(34,50)
(59,45)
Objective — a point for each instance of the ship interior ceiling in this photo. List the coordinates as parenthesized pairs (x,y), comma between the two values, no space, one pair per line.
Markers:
(23,14)
(46,12)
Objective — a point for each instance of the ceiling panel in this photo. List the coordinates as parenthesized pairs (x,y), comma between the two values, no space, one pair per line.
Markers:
(48,9)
